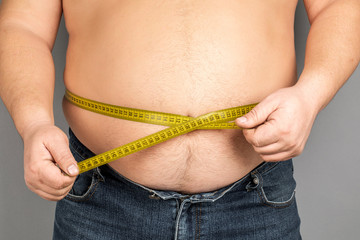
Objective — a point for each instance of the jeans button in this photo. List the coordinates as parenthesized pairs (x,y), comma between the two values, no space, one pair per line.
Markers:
(256,180)
(154,196)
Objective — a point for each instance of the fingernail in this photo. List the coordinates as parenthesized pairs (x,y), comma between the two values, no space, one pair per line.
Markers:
(73,170)
(242,119)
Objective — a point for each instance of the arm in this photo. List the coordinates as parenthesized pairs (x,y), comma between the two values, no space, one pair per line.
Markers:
(279,126)
(333,48)
(27,35)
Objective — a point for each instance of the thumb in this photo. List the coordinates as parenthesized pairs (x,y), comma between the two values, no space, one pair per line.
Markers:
(60,151)
(256,116)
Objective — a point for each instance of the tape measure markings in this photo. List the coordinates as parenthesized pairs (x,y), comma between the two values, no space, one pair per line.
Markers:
(179,126)
(139,115)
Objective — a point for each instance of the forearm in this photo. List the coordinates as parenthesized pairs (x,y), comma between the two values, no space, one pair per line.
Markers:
(332,51)
(26,77)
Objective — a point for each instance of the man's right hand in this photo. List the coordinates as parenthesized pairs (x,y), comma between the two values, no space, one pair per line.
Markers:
(27,79)
(49,167)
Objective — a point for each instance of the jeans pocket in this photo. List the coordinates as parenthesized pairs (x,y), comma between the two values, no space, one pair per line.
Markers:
(85,186)
(86,183)
(276,187)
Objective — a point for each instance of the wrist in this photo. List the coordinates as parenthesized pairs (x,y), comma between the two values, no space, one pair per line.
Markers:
(315,89)
(32,125)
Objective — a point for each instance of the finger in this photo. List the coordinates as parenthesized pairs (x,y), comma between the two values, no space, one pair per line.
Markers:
(270,149)
(263,135)
(53,192)
(60,151)
(49,197)
(51,176)
(257,115)
(281,156)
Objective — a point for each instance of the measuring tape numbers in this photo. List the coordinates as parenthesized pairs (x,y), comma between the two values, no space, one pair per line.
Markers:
(177,125)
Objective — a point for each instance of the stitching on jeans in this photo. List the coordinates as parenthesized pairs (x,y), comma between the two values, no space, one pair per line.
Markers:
(279,205)
(199,220)
(90,192)
(260,191)
(85,198)
(276,204)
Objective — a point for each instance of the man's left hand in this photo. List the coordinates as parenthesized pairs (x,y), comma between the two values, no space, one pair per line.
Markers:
(279,126)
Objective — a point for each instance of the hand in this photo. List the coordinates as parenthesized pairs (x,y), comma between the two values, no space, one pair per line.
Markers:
(279,126)
(49,167)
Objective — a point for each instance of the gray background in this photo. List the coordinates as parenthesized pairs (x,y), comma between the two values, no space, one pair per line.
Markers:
(327,172)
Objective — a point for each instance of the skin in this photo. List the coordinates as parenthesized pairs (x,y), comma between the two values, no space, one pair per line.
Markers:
(182,57)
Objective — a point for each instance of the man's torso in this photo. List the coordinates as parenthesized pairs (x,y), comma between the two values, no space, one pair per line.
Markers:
(187,57)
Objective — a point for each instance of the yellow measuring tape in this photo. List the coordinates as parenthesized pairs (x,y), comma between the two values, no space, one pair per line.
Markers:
(178,125)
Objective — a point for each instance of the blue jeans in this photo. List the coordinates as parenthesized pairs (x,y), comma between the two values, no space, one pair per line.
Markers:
(105,205)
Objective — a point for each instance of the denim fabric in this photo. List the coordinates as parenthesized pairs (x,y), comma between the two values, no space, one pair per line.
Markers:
(105,205)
